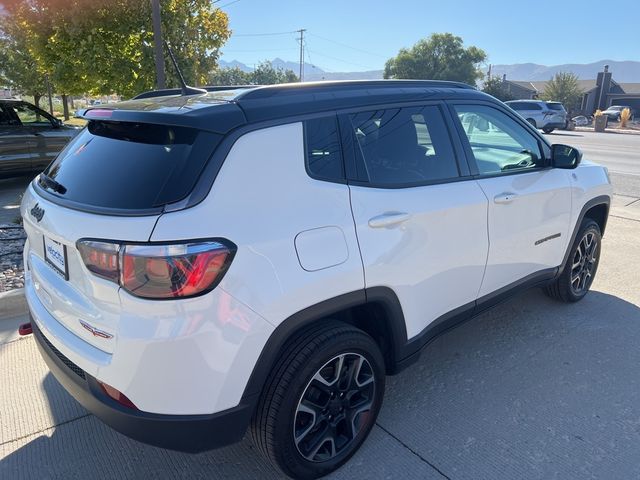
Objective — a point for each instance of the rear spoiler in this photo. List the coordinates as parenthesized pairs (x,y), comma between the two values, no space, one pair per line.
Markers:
(176,91)
(218,118)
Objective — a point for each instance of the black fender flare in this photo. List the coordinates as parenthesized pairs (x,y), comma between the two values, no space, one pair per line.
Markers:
(599,200)
(383,296)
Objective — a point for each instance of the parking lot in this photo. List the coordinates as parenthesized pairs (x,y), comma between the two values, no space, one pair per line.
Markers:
(532,389)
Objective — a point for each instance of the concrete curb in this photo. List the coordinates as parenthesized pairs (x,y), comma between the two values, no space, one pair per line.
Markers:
(12,304)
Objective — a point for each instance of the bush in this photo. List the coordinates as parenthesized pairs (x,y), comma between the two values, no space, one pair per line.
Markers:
(625,116)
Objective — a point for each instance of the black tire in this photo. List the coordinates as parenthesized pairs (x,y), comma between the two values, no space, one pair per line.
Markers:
(532,122)
(578,274)
(285,403)
(548,129)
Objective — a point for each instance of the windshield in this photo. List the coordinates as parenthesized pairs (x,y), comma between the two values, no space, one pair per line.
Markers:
(132,166)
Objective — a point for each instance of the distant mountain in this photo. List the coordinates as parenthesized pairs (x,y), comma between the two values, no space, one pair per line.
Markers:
(234,64)
(627,71)
(309,69)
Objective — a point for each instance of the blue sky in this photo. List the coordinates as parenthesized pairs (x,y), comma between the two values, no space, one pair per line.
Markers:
(516,31)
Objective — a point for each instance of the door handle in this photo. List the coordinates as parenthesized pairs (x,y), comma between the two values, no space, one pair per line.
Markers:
(506,197)
(388,219)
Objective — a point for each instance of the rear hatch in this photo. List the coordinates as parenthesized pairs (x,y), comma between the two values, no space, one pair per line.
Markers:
(557,112)
(110,183)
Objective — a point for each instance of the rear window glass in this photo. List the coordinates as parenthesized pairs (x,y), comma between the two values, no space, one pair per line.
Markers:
(131,166)
(555,106)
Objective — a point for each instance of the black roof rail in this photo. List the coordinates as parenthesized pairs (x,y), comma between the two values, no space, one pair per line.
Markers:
(343,85)
(177,91)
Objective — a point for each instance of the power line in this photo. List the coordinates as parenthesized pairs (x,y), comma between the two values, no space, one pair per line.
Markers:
(348,46)
(263,34)
(343,61)
(259,50)
(227,4)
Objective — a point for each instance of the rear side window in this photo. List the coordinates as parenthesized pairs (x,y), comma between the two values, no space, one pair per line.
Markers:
(555,106)
(405,146)
(322,145)
(131,166)
(517,106)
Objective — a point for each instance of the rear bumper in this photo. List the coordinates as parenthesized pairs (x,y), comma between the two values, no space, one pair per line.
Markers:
(186,433)
(555,125)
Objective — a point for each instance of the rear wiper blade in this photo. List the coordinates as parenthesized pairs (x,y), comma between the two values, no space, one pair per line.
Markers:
(52,184)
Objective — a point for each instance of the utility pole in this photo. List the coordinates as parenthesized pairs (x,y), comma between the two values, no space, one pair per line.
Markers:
(302,30)
(46,79)
(157,41)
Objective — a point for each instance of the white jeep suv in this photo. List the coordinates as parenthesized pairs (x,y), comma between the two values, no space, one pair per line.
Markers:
(259,259)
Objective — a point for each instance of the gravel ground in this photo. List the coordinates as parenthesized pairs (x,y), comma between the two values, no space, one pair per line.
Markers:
(12,239)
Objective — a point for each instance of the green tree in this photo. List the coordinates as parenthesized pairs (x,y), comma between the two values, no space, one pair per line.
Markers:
(442,56)
(229,76)
(106,46)
(264,74)
(563,87)
(496,88)
(19,69)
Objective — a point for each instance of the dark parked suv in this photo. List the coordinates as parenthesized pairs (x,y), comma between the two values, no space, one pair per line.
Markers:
(29,138)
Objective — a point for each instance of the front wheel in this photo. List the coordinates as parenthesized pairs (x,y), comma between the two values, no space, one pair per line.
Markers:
(548,129)
(321,400)
(578,274)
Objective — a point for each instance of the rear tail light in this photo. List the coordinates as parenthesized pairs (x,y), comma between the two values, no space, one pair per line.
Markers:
(160,271)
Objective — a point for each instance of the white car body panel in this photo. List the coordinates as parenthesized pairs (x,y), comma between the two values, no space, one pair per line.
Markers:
(435,260)
(282,202)
(540,208)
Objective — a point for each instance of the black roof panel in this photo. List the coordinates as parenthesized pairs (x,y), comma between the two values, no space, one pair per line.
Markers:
(224,108)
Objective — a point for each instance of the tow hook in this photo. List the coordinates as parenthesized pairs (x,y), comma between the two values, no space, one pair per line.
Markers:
(25,329)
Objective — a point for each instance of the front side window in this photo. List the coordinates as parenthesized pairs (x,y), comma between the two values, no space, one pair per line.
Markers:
(322,144)
(30,115)
(499,143)
(404,146)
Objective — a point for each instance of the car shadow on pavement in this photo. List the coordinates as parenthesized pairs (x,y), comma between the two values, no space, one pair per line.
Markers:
(558,134)
(531,389)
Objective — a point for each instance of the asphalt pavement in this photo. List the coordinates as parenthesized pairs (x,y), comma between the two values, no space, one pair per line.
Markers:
(11,191)
(619,152)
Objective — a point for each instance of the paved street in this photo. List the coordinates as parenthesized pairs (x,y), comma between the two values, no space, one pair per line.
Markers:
(10,191)
(618,152)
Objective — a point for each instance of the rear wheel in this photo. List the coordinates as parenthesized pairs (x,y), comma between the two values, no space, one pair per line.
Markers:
(548,129)
(532,122)
(321,400)
(578,274)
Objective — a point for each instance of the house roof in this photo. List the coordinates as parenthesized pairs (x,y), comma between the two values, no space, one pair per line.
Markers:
(630,87)
(584,85)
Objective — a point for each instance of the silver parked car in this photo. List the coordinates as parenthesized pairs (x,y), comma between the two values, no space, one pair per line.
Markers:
(547,116)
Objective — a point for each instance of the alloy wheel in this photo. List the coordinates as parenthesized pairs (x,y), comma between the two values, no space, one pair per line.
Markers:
(583,263)
(334,407)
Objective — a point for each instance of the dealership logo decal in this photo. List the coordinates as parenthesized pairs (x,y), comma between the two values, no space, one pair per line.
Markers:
(95,331)
(37,212)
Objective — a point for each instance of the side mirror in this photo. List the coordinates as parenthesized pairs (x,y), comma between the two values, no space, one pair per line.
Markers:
(564,156)
(57,123)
